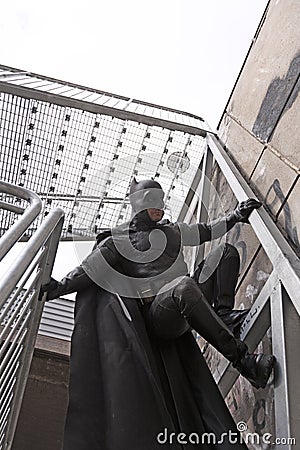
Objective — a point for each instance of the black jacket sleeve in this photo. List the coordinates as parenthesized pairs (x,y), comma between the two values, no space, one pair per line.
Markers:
(92,270)
(74,281)
(198,233)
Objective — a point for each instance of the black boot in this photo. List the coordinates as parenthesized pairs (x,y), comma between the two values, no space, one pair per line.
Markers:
(256,368)
(203,319)
(233,318)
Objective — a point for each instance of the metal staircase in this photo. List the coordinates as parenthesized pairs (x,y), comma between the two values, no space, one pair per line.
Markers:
(278,303)
(20,306)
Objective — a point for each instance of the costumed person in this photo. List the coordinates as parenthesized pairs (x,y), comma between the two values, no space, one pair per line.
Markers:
(138,379)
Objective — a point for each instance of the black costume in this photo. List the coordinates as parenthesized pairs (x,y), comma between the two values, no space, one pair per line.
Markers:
(136,370)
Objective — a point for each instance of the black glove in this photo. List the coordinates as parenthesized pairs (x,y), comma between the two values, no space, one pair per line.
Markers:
(244,209)
(75,281)
(51,286)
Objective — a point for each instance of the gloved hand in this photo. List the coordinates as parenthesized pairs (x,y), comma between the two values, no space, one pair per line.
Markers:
(244,209)
(51,286)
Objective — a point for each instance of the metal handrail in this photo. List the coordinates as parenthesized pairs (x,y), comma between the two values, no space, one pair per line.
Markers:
(9,280)
(284,259)
(13,234)
(278,303)
(21,308)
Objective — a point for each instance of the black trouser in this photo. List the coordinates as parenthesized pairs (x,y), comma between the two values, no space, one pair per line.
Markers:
(185,306)
(217,276)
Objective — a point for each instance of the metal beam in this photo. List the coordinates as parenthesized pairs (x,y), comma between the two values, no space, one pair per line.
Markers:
(191,194)
(285,344)
(281,395)
(203,203)
(60,100)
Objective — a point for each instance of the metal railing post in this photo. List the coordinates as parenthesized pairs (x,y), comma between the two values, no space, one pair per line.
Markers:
(20,307)
(278,304)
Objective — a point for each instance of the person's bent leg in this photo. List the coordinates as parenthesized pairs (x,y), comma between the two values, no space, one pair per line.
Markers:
(190,302)
(217,278)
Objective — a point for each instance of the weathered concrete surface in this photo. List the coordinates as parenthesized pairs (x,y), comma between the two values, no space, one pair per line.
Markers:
(279,98)
(253,280)
(42,417)
(273,179)
(242,236)
(269,74)
(242,146)
(286,135)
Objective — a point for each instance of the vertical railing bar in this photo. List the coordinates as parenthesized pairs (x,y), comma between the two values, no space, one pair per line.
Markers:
(8,398)
(10,371)
(187,205)
(14,297)
(6,412)
(22,307)
(56,219)
(193,204)
(10,364)
(6,392)
(281,394)
(22,318)
(25,366)
(4,423)
(16,339)
(203,200)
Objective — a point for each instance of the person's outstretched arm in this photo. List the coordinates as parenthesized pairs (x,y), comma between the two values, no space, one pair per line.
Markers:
(198,233)
(93,267)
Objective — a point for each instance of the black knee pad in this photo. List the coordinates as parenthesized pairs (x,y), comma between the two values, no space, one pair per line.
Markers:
(186,294)
(186,286)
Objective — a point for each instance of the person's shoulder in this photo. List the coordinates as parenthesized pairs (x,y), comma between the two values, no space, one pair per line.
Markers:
(104,234)
(168,225)
(165,222)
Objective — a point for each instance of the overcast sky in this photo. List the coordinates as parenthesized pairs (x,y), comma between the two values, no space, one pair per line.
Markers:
(184,54)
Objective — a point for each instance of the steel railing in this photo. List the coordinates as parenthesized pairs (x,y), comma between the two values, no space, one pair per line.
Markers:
(278,303)
(20,306)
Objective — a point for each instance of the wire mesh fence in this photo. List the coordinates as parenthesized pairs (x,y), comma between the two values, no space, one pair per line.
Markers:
(84,162)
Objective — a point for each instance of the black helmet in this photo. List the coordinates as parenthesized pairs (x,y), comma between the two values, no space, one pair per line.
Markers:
(146,194)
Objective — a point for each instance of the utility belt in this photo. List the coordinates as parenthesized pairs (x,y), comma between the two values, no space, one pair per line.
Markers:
(148,292)
(143,300)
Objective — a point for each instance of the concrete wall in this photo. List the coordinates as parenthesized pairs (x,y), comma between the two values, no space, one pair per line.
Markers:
(42,417)
(261,131)
(261,124)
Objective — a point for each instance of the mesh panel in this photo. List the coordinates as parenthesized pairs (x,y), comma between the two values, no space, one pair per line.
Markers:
(84,162)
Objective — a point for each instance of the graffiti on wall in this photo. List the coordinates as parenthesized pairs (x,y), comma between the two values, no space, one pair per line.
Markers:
(287,213)
(280,96)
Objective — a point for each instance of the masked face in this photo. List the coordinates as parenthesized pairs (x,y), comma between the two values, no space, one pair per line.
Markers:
(147,195)
(155,214)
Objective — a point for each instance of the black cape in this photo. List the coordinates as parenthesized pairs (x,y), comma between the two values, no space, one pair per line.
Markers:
(129,390)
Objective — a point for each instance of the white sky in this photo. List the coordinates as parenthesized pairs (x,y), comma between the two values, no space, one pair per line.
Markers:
(184,54)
